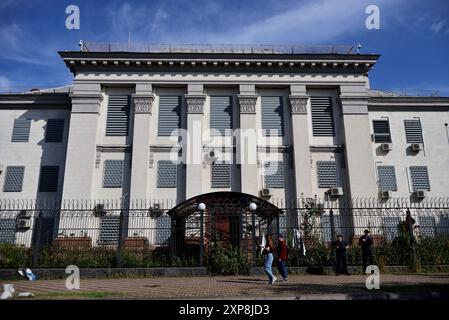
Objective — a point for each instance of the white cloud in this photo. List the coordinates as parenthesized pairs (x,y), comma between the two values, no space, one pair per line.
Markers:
(437,26)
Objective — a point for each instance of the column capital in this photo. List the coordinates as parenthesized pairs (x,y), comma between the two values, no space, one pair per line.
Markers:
(195,103)
(86,102)
(298,103)
(247,103)
(143,103)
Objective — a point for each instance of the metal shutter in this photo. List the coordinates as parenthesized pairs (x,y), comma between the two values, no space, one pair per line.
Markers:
(13,179)
(109,230)
(387,178)
(413,131)
(113,173)
(381,131)
(166,174)
(118,115)
(21,130)
(163,229)
(322,116)
(221,113)
(427,226)
(390,227)
(420,178)
(221,175)
(55,130)
(169,115)
(274,175)
(48,180)
(8,231)
(272,116)
(327,174)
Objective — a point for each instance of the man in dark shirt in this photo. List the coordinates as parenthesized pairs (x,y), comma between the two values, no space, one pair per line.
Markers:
(366,243)
(340,247)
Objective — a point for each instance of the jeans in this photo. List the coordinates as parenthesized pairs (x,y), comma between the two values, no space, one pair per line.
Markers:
(367,255)
(282,267)
(268,262)
(341,263)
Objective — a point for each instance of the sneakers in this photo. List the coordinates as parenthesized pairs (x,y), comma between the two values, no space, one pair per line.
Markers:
(285,280)
(273,280)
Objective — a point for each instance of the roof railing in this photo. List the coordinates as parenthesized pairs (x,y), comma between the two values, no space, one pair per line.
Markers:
(214,48)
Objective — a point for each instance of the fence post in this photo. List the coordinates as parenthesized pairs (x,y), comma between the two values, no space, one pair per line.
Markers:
(121,236)
(410,222)
(331,218)
(36,239)
(253,221)
(202,238)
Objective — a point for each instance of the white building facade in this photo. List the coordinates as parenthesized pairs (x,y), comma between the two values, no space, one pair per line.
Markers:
(166,127)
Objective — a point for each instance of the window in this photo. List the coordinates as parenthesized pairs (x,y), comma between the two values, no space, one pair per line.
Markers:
(166,174)
(221,114)
(48,179)
(118,115)
(381,131)
(427,226)
(390,227)
(113,174)
(272,116)
(387,178)
(55,130)
(109,230)
(8,229)
(13,179)
(322,117)
(420,178)
(413,131)
(274,174)
(327,174)
(221,175)
(21,130)
(169,114)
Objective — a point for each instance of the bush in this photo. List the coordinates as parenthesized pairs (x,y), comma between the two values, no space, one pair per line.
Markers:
(12,256)
(54,257)
(225,259)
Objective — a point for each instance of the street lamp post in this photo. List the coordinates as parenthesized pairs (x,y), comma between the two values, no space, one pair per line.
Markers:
(201,208)
(252,208)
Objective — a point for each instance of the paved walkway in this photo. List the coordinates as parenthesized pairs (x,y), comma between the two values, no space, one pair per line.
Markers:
(230,287)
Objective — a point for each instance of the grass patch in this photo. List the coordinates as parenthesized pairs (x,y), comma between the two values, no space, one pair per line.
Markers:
(415,288)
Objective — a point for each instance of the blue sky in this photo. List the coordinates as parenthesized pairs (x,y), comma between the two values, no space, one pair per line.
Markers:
(413,38)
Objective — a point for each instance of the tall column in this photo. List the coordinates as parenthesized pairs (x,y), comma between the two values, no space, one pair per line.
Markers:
(142,103)
(357,135)
(194,154)
(247,140)
(81,147)
(299,102)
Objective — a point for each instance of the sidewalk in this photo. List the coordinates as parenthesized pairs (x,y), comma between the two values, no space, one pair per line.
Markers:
(242,287)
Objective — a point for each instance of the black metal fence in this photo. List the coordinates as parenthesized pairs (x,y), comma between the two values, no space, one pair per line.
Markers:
(112,233)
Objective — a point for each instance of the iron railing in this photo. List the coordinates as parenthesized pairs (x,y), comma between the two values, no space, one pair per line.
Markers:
(138,233)
(215,48)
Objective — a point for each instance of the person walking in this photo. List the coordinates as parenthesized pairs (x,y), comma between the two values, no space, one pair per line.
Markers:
(341,247)
(267,251)
(366,243)
(282,257)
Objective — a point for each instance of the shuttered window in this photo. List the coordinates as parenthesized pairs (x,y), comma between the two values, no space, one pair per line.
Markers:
(272,116)
(413,131)
(221,114)
(21,130)
(427,226)
(166,174)
(420,178)
(327,174)
(322,116)
(54,131)
(8,230)
(113,174)
(117,123)
(274,174)
(169,114)
(381,131)
(14,179)
(387,178)
(221,175)
(48,179)
(109,230)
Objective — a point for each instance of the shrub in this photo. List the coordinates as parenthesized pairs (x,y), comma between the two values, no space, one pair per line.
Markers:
(225,259)
(12,256)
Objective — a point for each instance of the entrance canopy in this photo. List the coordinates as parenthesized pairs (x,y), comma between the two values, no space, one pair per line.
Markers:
(226,202)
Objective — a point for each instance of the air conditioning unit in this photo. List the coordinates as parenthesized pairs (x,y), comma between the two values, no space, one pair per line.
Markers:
(386,146)
(416,147)
(155,211)
(420,194)
(24,214)
(386,194)
(99,210)
(265,193)
(336,191)
(23,223)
